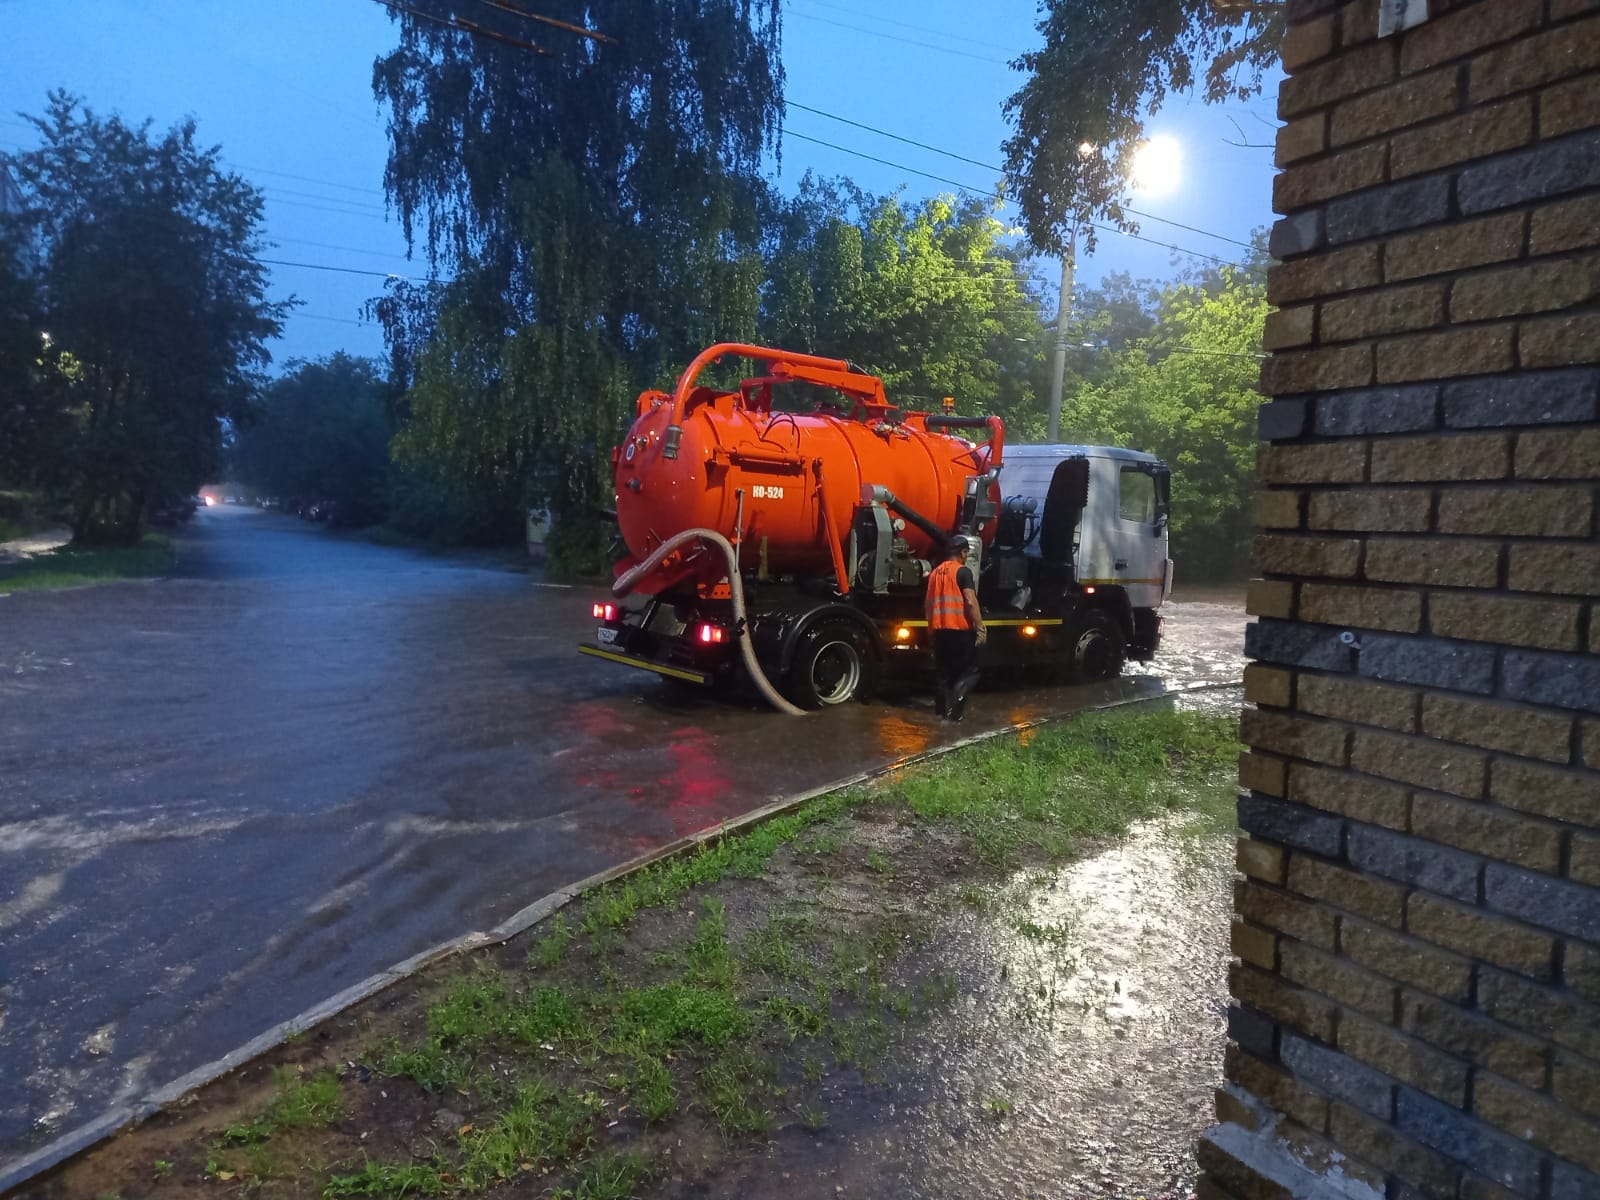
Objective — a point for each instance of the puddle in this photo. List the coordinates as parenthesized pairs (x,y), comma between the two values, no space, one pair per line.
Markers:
(1080,1060)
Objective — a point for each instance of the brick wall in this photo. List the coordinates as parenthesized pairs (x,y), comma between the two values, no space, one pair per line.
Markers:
(1417,988)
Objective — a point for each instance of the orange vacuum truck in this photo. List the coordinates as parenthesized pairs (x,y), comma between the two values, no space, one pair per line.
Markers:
(794,547)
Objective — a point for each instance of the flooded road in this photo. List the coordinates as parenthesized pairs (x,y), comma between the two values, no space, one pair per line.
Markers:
(228,795)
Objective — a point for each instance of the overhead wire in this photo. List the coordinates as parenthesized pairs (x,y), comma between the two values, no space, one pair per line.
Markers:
(465,26)
(967,187)
(1001,170)
(581,31)
(893,37)
(954,37)
(281,262)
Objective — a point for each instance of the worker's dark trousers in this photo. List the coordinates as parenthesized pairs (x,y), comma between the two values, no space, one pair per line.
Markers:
(955,659)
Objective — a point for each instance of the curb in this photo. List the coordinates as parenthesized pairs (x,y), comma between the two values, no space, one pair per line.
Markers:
(132,1113)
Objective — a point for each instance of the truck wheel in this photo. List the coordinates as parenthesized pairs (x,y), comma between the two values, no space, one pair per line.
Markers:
(832,665)
(1096,648)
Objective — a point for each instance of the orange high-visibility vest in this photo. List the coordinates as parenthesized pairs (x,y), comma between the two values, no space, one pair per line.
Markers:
(947,608)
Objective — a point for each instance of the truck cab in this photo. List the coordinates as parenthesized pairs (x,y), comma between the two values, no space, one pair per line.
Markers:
(1083,537)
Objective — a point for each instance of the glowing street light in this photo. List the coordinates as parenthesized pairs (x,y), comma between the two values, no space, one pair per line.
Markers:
(1157,165)
(1155,170)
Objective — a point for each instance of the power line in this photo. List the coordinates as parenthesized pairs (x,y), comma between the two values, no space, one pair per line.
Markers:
(280,262)
(895,136)
(892,37)
(350,187)
(334,246)
(966,187)
(321,317)
(353,205)
(1001,170)
(570,28)
(954,37)
(462,25)
(343,212)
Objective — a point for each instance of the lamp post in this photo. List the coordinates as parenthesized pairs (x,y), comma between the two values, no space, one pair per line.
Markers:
(1155,170)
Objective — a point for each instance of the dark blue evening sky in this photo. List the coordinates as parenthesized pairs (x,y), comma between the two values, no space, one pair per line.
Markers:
(285,89)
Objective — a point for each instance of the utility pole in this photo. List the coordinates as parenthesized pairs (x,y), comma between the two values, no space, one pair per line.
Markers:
(1063,315)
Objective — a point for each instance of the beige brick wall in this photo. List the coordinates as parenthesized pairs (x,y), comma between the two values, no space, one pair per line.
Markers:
(1416,986)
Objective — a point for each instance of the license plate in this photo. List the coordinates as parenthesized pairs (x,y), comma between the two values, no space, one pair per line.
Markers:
(606,636)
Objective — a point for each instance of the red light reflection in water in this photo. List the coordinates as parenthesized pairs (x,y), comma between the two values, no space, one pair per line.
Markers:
(694,794)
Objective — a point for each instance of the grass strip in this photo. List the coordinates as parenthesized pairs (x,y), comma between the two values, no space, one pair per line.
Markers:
(74,566)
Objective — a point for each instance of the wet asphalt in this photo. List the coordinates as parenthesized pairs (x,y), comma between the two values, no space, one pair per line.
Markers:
(227,795)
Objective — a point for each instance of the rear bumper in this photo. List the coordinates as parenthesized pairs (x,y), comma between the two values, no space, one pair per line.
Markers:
(688,674)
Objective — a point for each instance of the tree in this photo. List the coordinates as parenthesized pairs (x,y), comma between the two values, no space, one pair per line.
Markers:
(594,204)
(27,422)
(155,303)
(1105,64)
(1187,392)
(926,295)
(322,431)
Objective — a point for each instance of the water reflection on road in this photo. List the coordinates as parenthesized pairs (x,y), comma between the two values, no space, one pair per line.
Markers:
(226,796)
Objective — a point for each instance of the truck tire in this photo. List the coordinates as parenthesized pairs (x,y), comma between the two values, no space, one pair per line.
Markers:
(1096,648)
(832,665)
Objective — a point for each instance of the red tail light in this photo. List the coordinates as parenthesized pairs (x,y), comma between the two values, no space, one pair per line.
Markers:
(711,635)
(604,612)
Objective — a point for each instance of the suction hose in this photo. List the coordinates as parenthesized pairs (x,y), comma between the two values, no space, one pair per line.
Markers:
(629,580)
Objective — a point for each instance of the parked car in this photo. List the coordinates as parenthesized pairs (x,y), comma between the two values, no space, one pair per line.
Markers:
(174,511)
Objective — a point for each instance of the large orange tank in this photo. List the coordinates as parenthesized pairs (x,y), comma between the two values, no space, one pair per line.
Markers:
(688,455)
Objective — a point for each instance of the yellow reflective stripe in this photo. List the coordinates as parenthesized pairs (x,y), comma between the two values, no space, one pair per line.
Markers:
(989,621)
(627,661)
(1114,582)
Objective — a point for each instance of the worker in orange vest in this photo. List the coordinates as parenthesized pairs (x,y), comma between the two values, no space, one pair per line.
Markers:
(956,622)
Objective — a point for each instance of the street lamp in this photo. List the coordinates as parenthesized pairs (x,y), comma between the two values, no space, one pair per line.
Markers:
(1156,164)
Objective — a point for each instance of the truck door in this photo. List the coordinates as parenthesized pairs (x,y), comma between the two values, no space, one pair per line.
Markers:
(1136,531)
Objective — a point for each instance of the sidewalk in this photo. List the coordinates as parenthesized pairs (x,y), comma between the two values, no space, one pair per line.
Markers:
(960,981)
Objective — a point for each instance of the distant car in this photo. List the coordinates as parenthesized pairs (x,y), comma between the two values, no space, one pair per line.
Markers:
(173,512)
(269,503)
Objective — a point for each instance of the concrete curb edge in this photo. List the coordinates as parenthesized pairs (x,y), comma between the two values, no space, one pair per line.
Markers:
(85,1137)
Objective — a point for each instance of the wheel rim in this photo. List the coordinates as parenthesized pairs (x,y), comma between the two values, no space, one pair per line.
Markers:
(835,672)
(1092,653)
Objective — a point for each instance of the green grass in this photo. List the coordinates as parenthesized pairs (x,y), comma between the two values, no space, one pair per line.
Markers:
(1091,776)
(73,566)
(301,1103)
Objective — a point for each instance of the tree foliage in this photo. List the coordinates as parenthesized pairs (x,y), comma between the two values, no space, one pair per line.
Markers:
(25,418)
(1105,64)
(596,208)
(1186,390)
(926,295)
(155,305)
(321,431)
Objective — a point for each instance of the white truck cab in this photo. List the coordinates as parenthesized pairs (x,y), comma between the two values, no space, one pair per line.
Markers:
(1116,535)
